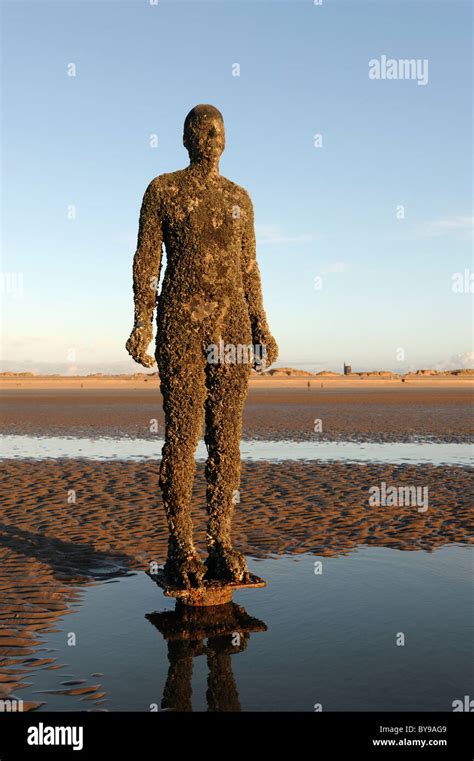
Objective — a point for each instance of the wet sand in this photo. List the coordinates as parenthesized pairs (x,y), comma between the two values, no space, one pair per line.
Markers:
(361,410)
(50,548)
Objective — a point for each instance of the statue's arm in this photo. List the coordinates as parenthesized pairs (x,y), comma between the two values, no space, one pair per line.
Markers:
(146,274)
(253,288)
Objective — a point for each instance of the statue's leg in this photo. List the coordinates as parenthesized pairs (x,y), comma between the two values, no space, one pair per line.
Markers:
(182,382)
(227,388)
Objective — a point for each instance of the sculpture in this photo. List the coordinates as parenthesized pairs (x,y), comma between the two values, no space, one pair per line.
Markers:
(211,296)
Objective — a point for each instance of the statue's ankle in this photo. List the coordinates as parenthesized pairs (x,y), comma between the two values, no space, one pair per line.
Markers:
(219,547)
(180,548)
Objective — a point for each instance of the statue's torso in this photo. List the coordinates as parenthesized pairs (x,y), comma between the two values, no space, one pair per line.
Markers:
(203,224)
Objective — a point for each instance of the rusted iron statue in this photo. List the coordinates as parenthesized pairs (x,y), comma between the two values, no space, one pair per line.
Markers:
(209,311)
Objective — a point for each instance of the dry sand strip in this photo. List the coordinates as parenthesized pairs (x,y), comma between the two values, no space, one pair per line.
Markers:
(274,379)
(49,548)
(379,410)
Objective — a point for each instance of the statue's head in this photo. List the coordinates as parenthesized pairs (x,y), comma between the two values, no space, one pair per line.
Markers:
(204,134)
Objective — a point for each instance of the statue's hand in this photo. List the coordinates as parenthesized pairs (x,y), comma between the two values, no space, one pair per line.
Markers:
(266,353)
(138,343)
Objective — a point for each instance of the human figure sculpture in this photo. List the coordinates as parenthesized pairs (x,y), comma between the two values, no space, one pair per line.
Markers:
(210,297)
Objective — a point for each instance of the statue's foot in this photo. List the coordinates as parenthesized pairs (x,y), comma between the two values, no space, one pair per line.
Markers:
(185,570)
(226,564)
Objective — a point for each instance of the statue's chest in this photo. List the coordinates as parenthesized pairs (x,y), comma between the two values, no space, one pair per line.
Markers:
(203,217)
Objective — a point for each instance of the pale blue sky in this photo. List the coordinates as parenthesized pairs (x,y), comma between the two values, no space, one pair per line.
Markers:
(329,211)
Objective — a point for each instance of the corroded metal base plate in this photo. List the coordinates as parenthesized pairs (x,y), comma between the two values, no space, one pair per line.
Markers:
(209,593)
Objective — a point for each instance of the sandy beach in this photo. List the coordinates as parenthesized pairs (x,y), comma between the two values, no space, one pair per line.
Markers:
(52,548)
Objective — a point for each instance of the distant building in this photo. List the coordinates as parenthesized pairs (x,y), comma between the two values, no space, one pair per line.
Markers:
(347,369)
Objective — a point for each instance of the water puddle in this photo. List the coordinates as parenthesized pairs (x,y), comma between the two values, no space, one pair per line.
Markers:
(327,638)
(398,453)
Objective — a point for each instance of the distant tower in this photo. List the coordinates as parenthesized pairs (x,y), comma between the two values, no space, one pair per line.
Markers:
(347,369)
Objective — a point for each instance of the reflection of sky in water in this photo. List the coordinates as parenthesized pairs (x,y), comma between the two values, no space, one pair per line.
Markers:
(144,449)
(330,639)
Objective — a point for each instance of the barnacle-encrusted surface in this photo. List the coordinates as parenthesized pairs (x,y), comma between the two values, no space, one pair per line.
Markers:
(211,295)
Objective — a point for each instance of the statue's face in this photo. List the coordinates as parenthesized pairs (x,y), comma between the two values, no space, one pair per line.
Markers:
(204,138)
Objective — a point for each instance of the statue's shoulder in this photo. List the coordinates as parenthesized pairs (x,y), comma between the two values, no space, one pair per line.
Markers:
(167,183)
(241,195)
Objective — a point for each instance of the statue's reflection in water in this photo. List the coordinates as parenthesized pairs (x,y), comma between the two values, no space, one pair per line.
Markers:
(218,632)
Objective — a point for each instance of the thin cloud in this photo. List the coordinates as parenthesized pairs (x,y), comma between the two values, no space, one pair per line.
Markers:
(274,235)
(334,267)
(459,225)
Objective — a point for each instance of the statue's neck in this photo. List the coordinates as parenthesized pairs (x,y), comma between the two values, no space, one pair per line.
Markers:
(204,168)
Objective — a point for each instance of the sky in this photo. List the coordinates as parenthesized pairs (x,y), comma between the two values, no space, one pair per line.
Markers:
(362,187)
